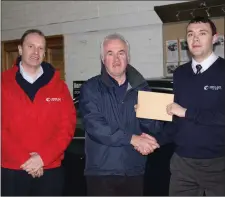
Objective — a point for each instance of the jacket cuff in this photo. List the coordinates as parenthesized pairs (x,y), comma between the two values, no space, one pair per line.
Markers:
(160,139)
(191,114)
(127,139)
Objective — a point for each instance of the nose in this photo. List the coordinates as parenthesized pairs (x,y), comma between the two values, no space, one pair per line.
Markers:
(196,38)
(36,50)
(116,58)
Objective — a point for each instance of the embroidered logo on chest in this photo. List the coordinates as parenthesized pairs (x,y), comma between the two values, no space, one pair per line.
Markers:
(53,99)
(208,87)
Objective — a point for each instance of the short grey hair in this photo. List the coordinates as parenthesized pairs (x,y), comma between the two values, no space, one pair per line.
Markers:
(115,36)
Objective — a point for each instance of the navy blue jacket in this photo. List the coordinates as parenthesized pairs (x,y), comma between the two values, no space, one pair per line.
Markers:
(110,124)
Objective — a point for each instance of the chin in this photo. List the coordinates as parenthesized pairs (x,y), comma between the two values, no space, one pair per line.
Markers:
(35,65)
(196,53)
(119,74)
(115,74)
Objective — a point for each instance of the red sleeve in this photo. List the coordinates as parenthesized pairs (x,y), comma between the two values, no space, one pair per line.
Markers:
(59,142)
(11,147)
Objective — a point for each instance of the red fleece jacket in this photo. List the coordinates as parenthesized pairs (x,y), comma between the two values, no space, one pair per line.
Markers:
(45,126)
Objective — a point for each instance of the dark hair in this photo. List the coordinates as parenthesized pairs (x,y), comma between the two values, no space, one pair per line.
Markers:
(31,31)
(201,19)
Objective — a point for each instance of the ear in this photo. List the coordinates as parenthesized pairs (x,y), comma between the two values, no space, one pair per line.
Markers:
(128,59)
(20,49)
(215,38)
(102,58)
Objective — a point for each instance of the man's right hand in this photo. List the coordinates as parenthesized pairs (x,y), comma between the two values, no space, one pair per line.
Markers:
(144,143)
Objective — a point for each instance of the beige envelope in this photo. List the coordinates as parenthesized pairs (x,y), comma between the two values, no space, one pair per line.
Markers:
(152,105)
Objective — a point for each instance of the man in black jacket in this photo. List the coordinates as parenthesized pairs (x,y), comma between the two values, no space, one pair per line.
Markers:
(113,133)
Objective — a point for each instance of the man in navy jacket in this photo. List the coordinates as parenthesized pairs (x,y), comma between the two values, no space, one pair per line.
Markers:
(198,164)
(113,133)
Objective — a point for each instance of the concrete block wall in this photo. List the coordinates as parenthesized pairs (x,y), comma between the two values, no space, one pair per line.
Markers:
(84,24)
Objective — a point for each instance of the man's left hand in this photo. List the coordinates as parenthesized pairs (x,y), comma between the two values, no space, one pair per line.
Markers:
(135,107)
(33,164)
(38,173)
(175,109)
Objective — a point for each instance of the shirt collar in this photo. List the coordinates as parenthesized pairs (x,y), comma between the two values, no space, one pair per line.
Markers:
(27,77)
(205,63)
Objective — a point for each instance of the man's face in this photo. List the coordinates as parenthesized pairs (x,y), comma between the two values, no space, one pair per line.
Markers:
(32,50)
(200,40)
(115,57)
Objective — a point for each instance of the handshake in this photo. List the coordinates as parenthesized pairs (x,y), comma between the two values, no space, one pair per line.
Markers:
(144,143)
(34,165)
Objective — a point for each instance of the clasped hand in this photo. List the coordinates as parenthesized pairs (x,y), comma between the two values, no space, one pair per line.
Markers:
(34,165)
(144,143)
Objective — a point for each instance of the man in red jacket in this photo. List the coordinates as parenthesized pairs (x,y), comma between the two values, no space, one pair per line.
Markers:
(38,122)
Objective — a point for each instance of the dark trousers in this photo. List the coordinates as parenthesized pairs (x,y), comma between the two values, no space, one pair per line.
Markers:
(114,185)
(193,177)
(20,183)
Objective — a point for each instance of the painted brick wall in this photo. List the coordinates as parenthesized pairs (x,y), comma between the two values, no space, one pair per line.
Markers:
(84,24)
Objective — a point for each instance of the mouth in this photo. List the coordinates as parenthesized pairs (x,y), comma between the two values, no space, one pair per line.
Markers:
(196,46)
(116,65)
(35,58)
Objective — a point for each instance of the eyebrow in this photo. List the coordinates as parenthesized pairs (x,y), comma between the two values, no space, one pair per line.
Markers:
(200,30)
(119,51)
(29,43)
(204,30)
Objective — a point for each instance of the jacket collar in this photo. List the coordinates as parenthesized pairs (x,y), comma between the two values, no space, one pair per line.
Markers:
(45,65)
(48,71)
(134,78)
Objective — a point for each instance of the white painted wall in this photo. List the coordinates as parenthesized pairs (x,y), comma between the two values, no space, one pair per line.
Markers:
(84,24)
